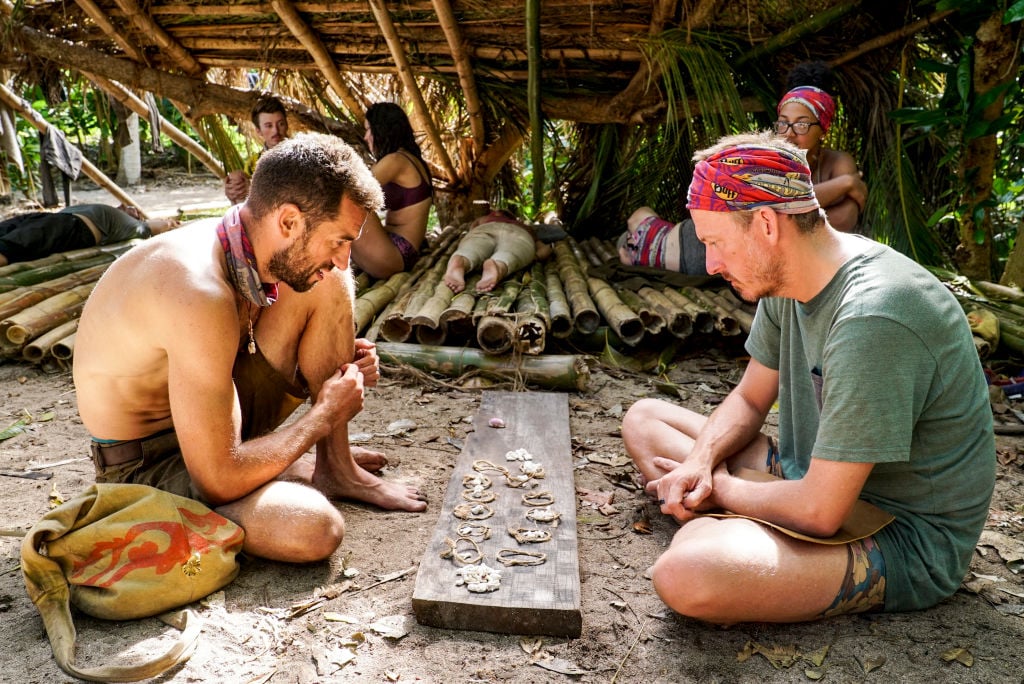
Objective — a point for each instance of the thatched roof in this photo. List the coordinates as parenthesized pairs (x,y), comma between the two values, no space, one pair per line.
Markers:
(590,51)
(464,66)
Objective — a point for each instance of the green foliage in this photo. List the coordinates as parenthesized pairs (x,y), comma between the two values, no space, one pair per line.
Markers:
(954,118)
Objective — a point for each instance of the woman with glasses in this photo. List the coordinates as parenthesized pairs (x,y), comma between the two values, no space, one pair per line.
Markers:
(804,115)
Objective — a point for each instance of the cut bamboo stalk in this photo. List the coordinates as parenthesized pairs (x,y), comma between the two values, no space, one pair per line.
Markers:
(703,320)
(532,313)
(464,67)
(652,320)
(17,300)
(39,348)
(64,349)
(532,298)
(550,371)
(412,88)
(28,328)
(678,321)
(504,297)
(587,253)
(560,323)
(584,311)
(495,334)
(314,44)
(725,322)
(461,306)
(430,313)
(74,255)
(395,327)
(581,258)
(530,335)
(157,34)
(744,319)
(603,250)
(430,336)
(47,314)
(373,301)
(619,317)
(45,273)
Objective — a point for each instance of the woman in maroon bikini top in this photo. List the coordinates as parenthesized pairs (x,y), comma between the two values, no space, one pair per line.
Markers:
(384,249)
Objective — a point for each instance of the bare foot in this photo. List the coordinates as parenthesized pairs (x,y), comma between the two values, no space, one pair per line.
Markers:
(455,276)
(370,461)
(493,272)
(391,496)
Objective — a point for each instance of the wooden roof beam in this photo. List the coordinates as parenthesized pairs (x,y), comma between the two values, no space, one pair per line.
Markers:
(200,97)
(311,41)
(387,28)
(624,102)
(95,12)
(464,68)
(142,21)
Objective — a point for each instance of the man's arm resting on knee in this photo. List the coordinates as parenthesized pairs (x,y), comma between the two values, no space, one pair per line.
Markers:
(207,416)
(730,428)
(816,505)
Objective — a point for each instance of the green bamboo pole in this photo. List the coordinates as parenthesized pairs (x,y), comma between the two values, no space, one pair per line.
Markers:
(549,371)
(678,321)
(558,306)
(584,311)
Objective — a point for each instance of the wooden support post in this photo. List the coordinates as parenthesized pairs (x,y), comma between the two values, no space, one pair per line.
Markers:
(387,28)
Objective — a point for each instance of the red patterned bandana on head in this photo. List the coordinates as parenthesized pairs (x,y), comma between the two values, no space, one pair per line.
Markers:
(817,100)
(750,176)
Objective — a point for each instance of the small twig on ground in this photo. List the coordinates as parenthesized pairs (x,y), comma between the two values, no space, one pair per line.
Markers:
(617,559)
(619,596)
(390,578)
(631,647)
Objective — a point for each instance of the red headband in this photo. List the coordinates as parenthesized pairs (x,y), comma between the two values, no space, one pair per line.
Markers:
(817,100)
(750,176)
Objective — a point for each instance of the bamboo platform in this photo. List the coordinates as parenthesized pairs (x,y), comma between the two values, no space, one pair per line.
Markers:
(548,308)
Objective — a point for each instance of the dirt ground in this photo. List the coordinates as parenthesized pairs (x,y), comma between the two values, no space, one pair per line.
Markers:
(628,634)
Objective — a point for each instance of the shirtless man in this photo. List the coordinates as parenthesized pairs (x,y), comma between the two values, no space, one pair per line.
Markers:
(271,122)
(196,345)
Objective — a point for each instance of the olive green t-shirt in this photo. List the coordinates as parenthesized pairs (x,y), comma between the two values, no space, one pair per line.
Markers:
(880,367)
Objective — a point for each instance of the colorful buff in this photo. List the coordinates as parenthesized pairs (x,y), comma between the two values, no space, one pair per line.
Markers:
(748,176)
(817,100)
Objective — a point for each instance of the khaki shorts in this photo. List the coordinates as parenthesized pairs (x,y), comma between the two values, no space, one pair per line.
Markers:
(266,399)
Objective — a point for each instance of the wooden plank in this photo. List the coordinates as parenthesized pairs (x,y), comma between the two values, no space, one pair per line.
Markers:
(542,599)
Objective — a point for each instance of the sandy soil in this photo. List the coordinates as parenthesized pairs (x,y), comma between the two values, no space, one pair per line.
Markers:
(628,635)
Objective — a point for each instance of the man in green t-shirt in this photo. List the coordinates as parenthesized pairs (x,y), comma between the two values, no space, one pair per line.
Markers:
(882,405)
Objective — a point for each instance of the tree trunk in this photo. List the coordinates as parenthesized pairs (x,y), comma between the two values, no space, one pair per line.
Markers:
(129,165)
(995,58)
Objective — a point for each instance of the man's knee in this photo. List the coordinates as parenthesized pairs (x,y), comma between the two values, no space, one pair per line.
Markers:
(637,421)
(686,577)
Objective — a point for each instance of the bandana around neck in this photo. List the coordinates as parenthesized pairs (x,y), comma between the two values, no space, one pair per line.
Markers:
(750,176)
(242,261)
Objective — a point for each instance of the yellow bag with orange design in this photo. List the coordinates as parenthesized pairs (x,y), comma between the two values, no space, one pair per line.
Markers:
(125,551)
